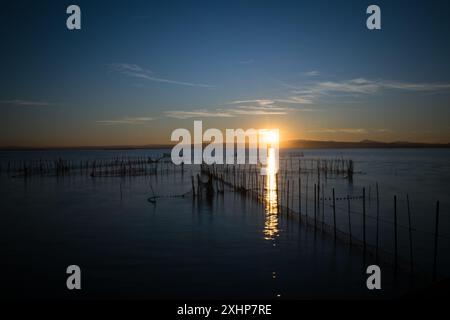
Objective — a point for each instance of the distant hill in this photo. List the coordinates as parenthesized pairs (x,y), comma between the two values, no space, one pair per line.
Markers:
(117,147)
(299,143)
(315,144)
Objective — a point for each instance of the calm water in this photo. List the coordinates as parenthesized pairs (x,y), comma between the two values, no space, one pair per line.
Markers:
(184,248)
(423,174)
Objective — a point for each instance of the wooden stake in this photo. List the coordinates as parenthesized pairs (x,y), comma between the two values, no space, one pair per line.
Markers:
(315,203)
(364,221)
(334,215)
(436,232)
(349,220)
(410,237)
(378,220)
(395,235)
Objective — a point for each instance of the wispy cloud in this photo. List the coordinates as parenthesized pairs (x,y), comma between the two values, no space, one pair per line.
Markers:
(311,92)
(27,103)
(127,120)
(384,130)
(306,99)
(312,73)
(359,85)
(415,86)
(133,70)
(259,110)
(339,130)
(241,110)
(351,130)
(201,113)
(261,102)
(250,107)
(266,102)
(366,86)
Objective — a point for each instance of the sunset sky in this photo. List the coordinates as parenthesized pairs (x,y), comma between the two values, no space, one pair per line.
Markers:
(137,71)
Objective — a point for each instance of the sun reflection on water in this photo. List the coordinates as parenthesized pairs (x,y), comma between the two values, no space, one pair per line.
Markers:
(271,198)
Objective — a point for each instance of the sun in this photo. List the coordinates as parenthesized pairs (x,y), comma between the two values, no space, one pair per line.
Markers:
(270,136)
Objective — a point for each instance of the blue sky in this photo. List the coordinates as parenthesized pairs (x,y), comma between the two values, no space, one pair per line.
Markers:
(139,69)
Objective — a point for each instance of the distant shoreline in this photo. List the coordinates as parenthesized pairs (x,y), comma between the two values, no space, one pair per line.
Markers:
(291,144)
(365,144)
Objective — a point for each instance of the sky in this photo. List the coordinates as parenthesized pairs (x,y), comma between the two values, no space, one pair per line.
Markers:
(137,70)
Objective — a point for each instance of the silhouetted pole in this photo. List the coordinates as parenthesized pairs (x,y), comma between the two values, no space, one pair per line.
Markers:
(315,205)
(300,199)
(306,196)
(287,196)
(395,235)
(378,221)
(334,215)
(318,198)
(364,221)
(410,237)
(349,220)
(436,232)
(278,193)
(323,206)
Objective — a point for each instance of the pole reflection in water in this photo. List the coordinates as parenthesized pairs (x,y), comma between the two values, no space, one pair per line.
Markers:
(271,198)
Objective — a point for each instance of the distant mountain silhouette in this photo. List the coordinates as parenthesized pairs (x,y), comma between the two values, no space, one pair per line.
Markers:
(315,144)
(298,143)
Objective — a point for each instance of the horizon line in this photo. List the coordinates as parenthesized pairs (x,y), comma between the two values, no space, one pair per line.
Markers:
(286,144)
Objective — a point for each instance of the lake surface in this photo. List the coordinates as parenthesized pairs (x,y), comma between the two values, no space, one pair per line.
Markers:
(422,174)
(228,247)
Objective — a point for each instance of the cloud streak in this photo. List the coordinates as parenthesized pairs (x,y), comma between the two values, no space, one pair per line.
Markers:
(227,113)
(266,102)
(261,102)
(261,109)
(312,73)
(351,130)
(340,130)
(127,120)
(362,86)
(250,107)
(200,113)
(135,71)
(415,86)
(26,103)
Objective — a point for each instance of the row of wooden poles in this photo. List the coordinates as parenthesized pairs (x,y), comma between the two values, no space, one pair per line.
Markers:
(337,166)
(247,180)
(138,165)
(130,166)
